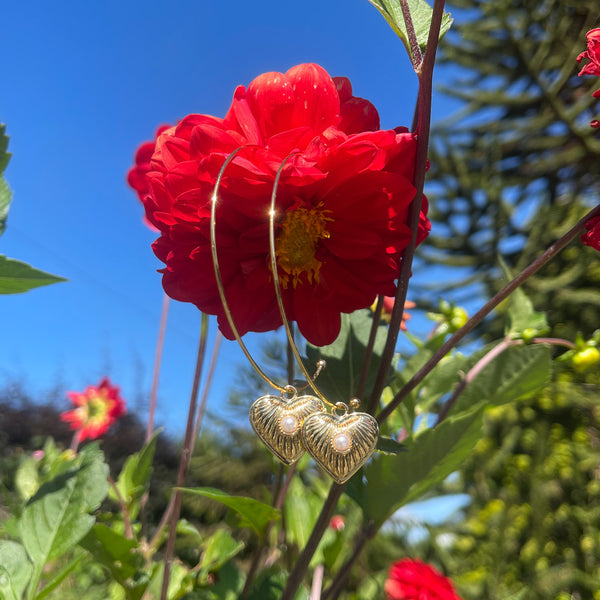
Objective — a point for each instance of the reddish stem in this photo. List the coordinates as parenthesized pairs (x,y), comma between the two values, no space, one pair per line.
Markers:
(186,455)
(157,360)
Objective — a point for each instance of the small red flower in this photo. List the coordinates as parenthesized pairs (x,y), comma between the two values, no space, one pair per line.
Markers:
(592,236)
(96,409)
(592,53)
(337,523)
(593,66)
(388,306)
(414,580)
(342,204)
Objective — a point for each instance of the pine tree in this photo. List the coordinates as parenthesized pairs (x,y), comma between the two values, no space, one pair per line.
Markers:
(519,163)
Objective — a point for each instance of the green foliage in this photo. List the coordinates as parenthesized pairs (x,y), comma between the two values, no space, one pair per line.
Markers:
(431,457)
(532,528)
(254,514)
(345,356)
(134,478)
(15,570)
(120,557)
(17,277)
(420,13)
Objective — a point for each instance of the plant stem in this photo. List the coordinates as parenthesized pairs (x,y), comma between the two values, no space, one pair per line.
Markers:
(451,342)
(475,370)
(157,360)
(186,455)
(75,441)
(360,390)
(317,583)
(416,58)
(123,507)
(366,533)
(555,342)
(424,111)
(207,385)
(297,575)
(278,497)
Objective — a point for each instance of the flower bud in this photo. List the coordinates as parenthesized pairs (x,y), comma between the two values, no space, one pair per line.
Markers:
(585,359)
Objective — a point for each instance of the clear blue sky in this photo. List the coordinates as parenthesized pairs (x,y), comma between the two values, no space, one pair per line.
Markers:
(82,84)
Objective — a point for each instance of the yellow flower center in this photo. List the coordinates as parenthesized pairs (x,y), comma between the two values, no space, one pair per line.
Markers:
(95,411)
(297,243)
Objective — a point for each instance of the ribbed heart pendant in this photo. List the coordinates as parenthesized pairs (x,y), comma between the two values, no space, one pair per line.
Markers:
(278,421)
(340,444)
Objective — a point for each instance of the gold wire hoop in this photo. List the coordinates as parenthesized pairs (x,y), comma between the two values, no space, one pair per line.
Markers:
(213,246)
(288,331)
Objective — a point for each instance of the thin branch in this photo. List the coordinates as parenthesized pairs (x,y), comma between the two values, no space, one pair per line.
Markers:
(279,497)
(424,111)
(362,382)
(157,360)
(186,455)
(208,384)
(485,310)
(317,583)
(123,507)
(475,370)
(366,533)
(297,575)
(554,342)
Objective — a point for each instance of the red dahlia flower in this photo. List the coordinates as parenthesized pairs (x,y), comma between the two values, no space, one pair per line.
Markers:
(414,580)
(136,177)
(592,235)
(593,66)
(96,410)
(342,204)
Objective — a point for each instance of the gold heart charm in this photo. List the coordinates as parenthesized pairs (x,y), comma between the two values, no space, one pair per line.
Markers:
(278,421)
(340,444)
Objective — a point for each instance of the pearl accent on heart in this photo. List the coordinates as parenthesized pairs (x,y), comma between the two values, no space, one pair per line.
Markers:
(288,424)
(341,442)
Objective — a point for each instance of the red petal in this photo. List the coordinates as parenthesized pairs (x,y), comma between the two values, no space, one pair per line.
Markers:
(316,100)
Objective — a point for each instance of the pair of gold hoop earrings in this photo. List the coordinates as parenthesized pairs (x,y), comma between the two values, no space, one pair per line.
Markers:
(289,424)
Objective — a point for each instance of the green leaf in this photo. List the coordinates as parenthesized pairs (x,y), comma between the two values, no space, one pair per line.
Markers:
(134,476)
(179,582)
(5,199)
(57,516)
(302,508)
(27,480)
(270,586)
(4,154)
(184,527)
(59,577)
(420,12)
(17,277)
(393,481)
(345,356)
(229,584)
(255,514)
(517,373)
(15,570)
(387,445)
(118,554)
(523,320)
(219,549)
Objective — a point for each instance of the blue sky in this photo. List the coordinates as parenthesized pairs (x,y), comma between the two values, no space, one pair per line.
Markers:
(82,85)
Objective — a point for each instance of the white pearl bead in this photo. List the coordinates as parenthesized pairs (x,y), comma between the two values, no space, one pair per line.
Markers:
(288,424)
(341,442)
